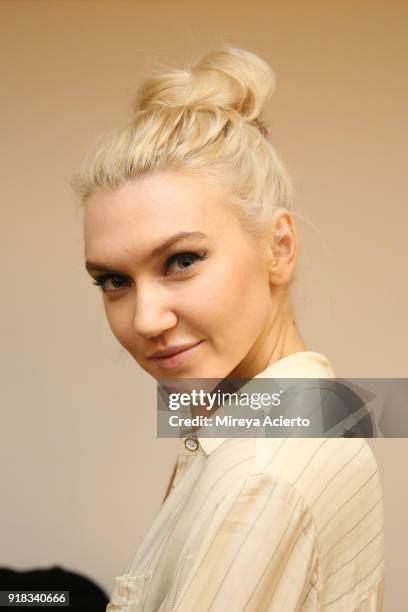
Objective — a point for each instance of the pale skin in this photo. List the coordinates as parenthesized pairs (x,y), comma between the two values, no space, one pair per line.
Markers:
(233,301)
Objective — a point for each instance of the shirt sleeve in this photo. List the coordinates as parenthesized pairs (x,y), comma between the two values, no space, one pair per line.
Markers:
(258,553)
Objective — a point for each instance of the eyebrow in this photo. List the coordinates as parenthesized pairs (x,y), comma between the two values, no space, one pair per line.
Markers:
(159,250)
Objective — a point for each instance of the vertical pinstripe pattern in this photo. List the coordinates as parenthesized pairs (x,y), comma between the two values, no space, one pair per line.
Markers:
(264,525)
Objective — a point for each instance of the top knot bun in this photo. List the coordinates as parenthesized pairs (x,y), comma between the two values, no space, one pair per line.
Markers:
(228,78)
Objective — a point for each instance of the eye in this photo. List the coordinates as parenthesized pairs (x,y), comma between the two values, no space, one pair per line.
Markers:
(116,282)
(112,283)
(184,261)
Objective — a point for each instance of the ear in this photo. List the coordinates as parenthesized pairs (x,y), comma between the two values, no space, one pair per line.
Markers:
(283,248)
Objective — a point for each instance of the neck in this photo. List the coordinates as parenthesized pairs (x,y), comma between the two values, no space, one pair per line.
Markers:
(281,338)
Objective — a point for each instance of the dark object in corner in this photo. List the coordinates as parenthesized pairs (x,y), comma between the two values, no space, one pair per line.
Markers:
(84,594)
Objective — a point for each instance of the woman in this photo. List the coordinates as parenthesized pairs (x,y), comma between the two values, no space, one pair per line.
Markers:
(189,236)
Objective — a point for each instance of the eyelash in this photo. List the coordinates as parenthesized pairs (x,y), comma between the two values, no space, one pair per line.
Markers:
(100,282)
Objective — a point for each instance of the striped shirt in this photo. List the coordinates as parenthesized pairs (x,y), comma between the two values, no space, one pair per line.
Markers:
(264,524)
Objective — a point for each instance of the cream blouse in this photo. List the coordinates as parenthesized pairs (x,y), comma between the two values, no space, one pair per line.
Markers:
(264,524)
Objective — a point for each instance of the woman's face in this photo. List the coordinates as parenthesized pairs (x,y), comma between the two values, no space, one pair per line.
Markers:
(177,270)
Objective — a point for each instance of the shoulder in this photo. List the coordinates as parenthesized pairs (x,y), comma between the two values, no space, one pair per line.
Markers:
(337,477)
(328,472)
(311,465)
(300,459)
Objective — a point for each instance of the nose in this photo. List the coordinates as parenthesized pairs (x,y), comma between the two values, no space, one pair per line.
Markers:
(153,313)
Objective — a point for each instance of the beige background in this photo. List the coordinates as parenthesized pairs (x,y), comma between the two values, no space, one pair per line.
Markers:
(82,472)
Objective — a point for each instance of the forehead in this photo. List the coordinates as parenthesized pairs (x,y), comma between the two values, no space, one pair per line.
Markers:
(152,207)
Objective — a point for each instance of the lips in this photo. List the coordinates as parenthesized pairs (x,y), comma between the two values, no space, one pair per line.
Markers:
(174,360)
(172,351)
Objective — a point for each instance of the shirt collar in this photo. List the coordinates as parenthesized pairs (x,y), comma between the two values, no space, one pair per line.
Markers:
(305,364)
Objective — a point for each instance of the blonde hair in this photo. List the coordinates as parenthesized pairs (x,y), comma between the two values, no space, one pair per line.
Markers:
(206,118)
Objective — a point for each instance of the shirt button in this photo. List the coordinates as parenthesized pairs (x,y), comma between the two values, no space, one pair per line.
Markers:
(191,444)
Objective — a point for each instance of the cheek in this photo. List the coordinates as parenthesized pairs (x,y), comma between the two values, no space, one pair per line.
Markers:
(231,297)
(119,320)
